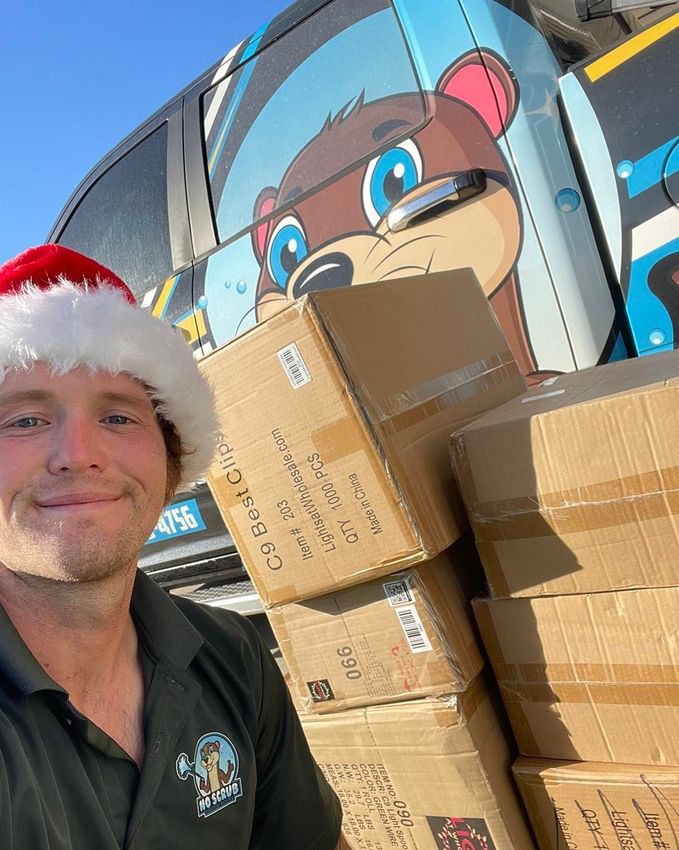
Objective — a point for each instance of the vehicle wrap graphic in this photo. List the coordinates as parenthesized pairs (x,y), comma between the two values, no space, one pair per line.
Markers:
(305,164)
(628,146)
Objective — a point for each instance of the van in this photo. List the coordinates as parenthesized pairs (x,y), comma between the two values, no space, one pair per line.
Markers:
(349,141)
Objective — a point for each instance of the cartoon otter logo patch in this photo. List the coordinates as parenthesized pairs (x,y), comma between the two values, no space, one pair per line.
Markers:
(215,772)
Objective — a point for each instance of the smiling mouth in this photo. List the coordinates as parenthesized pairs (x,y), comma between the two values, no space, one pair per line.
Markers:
(77,502)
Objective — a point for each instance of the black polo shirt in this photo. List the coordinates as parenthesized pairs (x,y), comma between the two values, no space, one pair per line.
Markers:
(226,766)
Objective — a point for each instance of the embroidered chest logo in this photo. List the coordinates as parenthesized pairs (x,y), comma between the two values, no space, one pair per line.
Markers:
(215,772)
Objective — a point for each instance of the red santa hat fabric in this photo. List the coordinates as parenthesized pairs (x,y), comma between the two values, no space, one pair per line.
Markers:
(62,308)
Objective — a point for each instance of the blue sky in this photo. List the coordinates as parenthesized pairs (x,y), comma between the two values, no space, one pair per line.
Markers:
(77,77)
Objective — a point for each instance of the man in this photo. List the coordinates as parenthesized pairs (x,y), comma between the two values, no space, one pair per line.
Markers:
(127,720)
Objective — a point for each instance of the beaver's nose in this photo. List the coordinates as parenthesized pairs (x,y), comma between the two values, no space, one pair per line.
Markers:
(325,272)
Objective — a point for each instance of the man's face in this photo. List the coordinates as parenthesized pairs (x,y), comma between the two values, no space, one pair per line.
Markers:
(82,473)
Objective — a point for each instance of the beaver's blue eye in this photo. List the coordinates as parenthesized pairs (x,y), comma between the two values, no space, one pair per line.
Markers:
(287,248)
(389,177)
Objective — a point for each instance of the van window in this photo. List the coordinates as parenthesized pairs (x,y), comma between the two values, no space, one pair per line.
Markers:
(257,120)
(123,221)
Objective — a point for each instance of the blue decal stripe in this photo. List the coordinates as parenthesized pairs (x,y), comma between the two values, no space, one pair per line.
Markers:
(184,316)
(647,314)
(168,293)
(227,121)
(649,169)
(254,42)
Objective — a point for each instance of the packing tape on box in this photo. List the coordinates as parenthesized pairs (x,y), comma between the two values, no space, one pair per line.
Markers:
(405,409)
(282,595)
(585,674)
(339,439)
(449,709)
(573,682)
(619,501)
(591,693)
(523,731)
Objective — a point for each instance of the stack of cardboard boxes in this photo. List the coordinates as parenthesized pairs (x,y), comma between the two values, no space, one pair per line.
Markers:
(573,493)
(334,479)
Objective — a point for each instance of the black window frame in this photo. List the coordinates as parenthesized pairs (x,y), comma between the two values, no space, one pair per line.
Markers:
(203,219)
(181,249)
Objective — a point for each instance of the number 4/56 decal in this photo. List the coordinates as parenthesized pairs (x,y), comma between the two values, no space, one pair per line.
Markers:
(175,520)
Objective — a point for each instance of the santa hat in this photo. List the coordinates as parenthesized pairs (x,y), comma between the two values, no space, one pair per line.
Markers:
(64,309)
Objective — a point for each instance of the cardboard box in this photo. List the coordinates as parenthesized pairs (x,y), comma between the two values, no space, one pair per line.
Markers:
(593,806)
(403,636)
(422,775)
(294,696)
(591,677)
(574,487)
(335,414)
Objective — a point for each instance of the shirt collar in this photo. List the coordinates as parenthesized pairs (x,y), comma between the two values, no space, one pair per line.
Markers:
(19,665)
(164,629)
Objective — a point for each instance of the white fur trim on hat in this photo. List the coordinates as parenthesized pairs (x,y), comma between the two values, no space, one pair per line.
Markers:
(70,325)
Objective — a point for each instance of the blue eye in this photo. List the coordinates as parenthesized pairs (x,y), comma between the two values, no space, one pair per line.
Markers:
(27,422)
(389,177)
(287,248)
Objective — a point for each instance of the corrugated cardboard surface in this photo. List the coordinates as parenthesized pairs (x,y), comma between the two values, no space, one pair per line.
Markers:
(422,775)
(333,470)
(575,486)
(600,806)
(423,359)
(590,677)
(403,636)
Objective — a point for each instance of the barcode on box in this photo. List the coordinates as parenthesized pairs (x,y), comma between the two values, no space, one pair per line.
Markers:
(398,592)
(413,629)
(294,365)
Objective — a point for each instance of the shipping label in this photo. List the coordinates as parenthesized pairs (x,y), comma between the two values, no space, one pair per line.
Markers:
(413,629)
(294,366)
(398,592)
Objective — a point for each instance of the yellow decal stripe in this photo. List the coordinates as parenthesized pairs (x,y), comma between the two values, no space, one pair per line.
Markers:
(200,320)
(165,292)
(188,326)
(612,60)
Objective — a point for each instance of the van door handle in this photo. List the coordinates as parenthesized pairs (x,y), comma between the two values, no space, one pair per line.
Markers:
(422,201)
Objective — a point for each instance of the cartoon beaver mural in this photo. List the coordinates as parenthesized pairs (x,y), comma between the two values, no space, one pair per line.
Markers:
(338,235)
